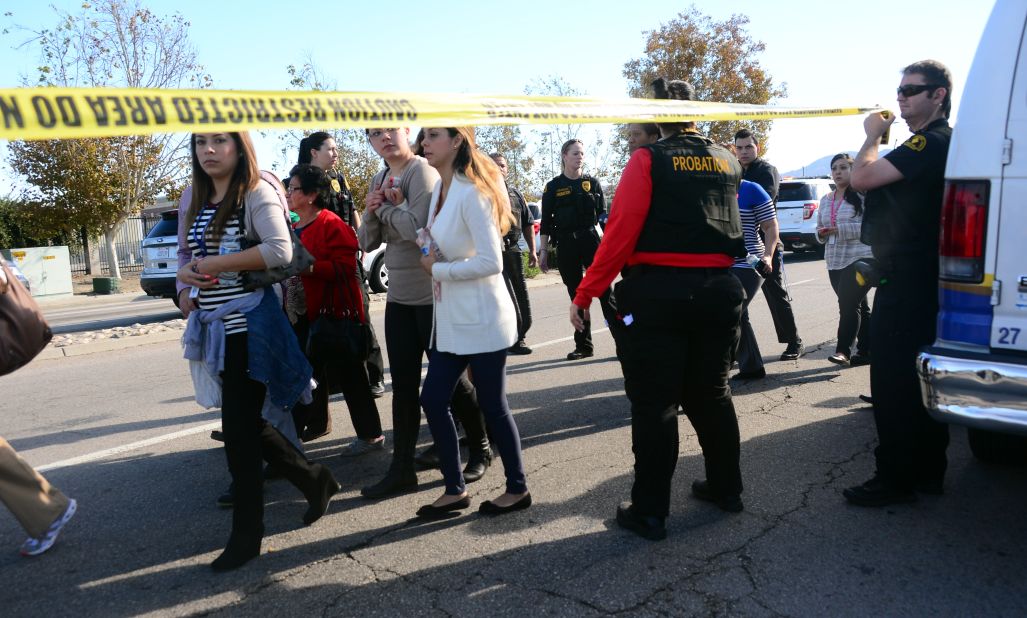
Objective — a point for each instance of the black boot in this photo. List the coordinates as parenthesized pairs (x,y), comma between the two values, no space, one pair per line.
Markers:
(477,463)
(401,477)
(241,548)
(314,480)
(321,494)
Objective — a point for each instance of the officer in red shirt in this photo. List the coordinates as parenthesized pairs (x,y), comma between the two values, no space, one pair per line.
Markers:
(675,231)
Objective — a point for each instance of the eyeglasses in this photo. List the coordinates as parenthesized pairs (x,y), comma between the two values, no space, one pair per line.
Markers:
(291,190)
(911,90)
(377,133)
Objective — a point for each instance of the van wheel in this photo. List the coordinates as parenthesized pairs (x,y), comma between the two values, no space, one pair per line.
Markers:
(379,278)
(998,448)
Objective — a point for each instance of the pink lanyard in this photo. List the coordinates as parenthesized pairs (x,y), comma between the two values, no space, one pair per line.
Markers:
(834,211)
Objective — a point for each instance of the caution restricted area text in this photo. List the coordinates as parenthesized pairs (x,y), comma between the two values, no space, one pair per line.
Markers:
(67,113)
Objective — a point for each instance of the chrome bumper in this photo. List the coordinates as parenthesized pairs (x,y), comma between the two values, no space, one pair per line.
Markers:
(976,392)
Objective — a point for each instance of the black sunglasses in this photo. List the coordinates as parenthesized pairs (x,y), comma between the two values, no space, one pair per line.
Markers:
(911,90)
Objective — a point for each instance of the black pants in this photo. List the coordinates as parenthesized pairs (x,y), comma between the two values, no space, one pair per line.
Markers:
(513,275)
(573,256)
(912,444)
(748,352)
(249,439)
(375,365)
(678,351)
(853,311)
(407,336)
(779,302)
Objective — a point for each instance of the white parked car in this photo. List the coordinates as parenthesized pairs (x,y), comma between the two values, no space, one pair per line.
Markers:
(797,202)
(374,266)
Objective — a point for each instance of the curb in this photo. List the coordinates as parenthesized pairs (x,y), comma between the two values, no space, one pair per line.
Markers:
(111,345)
(107,345)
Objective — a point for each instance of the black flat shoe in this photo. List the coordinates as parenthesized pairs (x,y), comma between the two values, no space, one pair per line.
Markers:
(393,484)
(731,504)
(318,500)
(489,508)
(877,493)
(793,351)
(580,354)
(858,359)
(520,348)
(866,399)
(476,466)
(839,359)
(645,526)
(430,511)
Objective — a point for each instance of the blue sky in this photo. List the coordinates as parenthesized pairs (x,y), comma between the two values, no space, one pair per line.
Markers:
(828,53)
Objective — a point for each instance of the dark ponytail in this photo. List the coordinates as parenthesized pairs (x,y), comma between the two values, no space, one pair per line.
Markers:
(308,143)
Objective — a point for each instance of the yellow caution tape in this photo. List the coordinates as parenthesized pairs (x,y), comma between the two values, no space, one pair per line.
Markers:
(62,113)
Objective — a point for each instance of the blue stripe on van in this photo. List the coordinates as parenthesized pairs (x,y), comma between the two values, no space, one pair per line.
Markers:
(965,313)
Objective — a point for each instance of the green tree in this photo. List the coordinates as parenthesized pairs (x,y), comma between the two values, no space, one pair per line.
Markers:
(110,43)
(719,58)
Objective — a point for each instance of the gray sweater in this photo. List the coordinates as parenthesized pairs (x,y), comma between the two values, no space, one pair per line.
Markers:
(397,225)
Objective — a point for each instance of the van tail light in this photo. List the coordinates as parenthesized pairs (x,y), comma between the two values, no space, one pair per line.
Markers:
(809,209)
(964,219)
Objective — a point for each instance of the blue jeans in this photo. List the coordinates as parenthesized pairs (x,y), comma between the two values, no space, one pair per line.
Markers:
(489,371)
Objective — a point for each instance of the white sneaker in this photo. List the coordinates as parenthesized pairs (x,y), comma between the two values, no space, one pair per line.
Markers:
(34,546)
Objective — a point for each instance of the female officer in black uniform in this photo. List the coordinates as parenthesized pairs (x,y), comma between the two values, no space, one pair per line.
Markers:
(571,206)
(674,230)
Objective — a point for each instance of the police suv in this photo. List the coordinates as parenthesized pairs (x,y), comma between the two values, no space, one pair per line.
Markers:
(975,374)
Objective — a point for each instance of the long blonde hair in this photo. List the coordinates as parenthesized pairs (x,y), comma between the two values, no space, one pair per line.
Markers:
(483,172)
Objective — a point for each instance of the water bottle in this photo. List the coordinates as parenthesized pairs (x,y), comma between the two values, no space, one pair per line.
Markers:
(230,243)
(758,265)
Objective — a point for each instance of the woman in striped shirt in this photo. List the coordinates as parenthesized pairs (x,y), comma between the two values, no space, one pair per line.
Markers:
(230,201)
(839,220)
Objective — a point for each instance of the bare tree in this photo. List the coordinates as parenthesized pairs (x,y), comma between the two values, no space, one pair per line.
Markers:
(120,44)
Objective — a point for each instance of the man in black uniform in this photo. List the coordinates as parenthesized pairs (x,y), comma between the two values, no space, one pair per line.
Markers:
(572,204)
(901,223)
(757,170)
(513,261)
(675,231)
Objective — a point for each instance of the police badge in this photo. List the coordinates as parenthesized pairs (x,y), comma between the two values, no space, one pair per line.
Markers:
(586,185)
(335,186)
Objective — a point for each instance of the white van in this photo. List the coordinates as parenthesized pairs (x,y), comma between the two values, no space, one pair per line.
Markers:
(975,374)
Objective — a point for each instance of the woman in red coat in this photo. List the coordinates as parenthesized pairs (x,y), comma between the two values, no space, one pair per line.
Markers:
(332,284)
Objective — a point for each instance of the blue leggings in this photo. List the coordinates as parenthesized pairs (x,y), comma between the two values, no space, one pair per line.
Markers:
(489,376)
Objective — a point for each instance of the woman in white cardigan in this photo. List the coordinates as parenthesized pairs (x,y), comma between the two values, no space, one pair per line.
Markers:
(475,322)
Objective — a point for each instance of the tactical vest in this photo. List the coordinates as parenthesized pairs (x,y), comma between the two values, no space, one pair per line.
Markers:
(340,200)
(575,204)
(694,207)
(516,205)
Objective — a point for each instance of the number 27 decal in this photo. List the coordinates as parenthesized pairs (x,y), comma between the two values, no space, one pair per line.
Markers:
(1008,336)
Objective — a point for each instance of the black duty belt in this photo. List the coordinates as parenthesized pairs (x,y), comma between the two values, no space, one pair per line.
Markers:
(637,270)
(583,233)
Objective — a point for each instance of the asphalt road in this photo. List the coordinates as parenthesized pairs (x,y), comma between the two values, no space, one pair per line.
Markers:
(120,432)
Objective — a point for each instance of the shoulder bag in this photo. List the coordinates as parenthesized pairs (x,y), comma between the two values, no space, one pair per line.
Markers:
(332,336)
(23,330)
(301,258)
